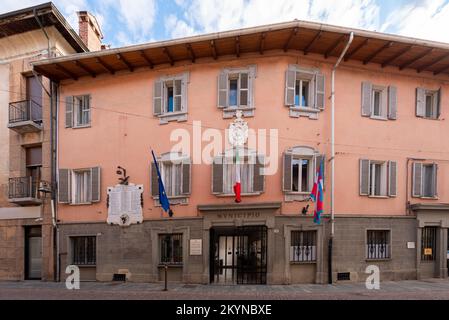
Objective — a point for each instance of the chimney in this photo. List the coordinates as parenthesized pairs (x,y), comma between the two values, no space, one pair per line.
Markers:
(89,31)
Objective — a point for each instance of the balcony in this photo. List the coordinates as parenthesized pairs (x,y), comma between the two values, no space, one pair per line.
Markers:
(25,116)
(24,191)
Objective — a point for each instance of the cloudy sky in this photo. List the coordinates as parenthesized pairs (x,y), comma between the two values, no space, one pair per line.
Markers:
(127,22)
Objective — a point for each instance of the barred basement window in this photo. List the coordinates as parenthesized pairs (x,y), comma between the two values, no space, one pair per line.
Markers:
(171,248)
(378,244)
(303,246)
(428,243)
(84,250)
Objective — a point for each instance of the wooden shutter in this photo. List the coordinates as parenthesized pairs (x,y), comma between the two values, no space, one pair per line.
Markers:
(420,102)
(438,102)
(287,172)
(184,93)
(186,177)
(367,94)
(392,103)
(435,181)
(364,177)
(64,185)
(157,98)
(417,180)
(259,177)
(223,90)
(244,90)
(95,184)
(177,95)
(290,84)
(69,112)
(154,181)
(392,178)
(217,175)
(320,86)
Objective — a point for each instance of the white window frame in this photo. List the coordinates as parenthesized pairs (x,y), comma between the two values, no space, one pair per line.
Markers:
(165,85)
(174,186)
(383,179)
(423,181)
(173,158)
(434,104)
(78,103)
(87,186)
(311,168)
(248,159)
(383,102)
(180,115)
(301,78)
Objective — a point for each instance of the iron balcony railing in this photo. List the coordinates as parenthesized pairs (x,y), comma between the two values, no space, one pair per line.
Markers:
(24,187)
(26,110)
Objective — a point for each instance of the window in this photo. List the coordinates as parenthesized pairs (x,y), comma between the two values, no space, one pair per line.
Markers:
(425,180)
(34,163)
(81,187)
(378,178)
(302,175)
(302,95)
(378,244)
(170,98)
(428,243)
(172,176)
(379,102)
(77,111)
(173,96)
(171,248)
(246,176)
(428,103)
(303,246)
(84,250)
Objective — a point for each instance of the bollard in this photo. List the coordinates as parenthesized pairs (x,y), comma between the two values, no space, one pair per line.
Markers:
(165,278)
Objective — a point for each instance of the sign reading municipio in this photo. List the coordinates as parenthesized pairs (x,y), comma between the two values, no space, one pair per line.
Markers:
(196,246)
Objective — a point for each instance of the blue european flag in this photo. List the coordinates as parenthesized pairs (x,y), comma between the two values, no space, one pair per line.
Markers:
(163,199)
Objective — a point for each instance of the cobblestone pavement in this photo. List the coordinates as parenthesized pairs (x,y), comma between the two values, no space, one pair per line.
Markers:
(435,289)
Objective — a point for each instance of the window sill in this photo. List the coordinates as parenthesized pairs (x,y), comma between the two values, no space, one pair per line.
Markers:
(80,204)
(172,116)
(295,263)
(253,194)
(170,265)
(429,198)
(297,196)
(379,197)
(378,260)
(427,118)
(305,109)
(178,200)
(82,127)
(378,118)
(229,112)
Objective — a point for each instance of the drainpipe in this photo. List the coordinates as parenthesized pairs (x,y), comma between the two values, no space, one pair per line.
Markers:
(332,204)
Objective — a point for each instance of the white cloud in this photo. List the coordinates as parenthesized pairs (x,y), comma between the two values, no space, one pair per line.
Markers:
(178,28)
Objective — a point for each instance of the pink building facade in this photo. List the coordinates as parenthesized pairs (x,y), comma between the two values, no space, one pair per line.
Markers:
(391,159)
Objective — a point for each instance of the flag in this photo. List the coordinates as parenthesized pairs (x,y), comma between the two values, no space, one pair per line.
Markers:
(163,199)
(317,194)
(237,185)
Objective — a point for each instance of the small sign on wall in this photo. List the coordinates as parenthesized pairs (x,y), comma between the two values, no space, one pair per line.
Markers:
(196,247)
(410,245)
(427,251)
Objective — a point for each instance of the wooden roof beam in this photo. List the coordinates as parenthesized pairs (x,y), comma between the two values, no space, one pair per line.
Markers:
(191,53)
(168,55)
(445,69)
(377,52)
(262,42)
(147,59)
(434,62)
(125,62)
(396,56)
(307,48)
(290,38)
(334,46)
(237,46)
(213,49)
(409,63)
(105,65)
(85,68)
(67,72)
(356,49)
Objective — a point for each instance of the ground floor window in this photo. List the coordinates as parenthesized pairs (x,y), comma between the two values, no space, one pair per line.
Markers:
(378,244)
(84,250)
(428,243)
(171,248)
(303,246)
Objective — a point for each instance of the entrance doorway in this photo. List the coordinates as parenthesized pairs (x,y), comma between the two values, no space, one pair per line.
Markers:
(33,253)
(239,255)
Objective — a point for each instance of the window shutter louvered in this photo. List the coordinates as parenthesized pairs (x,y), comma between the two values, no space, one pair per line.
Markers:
(435,181)
(392,103)
(367,93)
(392,178)
(69,112)
(287,172)
(186,177)
(438,103)
(223,90)
(64,185)
(95,184)
(320,86)
(177,95)
(244,90)
(420,102)
(157,98)
(364,177)
(290,82)
(259,177)
(417,180)
(154,181)
(217,175)
(184,93)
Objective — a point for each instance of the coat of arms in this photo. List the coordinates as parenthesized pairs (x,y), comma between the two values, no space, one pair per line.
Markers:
(238,131)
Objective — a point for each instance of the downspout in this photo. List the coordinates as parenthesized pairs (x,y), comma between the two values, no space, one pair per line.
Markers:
(54,146)
(332,159)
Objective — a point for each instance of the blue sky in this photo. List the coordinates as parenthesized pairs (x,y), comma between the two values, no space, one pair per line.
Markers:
(126,22)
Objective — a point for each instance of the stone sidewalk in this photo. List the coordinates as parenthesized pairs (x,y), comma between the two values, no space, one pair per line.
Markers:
(423,290)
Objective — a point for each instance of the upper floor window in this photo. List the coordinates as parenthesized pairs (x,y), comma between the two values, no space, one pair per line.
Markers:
(428,103)
(425,180)
(170,98)
(79,186)
(77,111)
(379,102)
(378,178)
(235,91)
(304,91)
(250,166)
